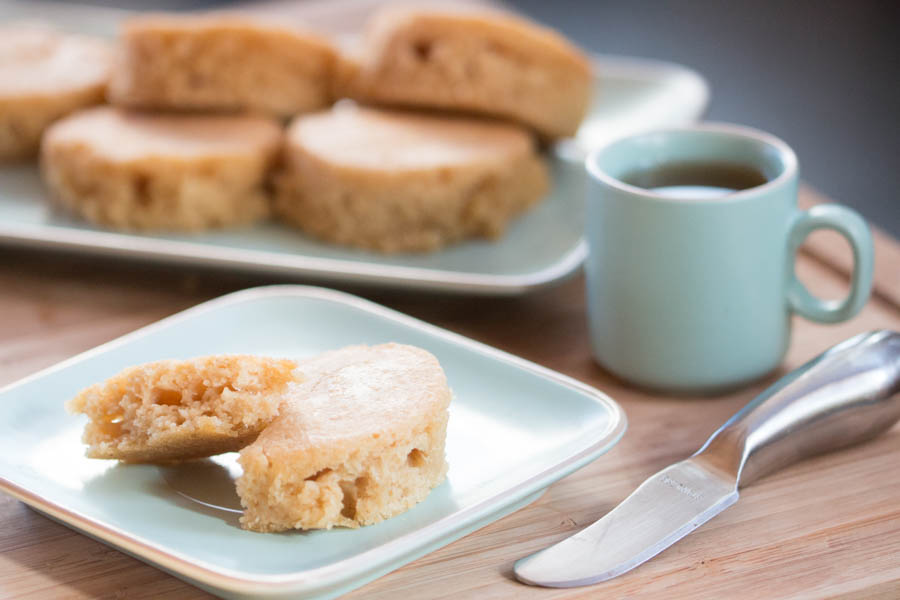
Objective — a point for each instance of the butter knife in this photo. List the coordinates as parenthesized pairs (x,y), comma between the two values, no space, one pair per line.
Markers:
(847,395)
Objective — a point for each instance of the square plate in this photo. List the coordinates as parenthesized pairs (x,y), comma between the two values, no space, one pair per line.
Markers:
(540,248)
(515,428)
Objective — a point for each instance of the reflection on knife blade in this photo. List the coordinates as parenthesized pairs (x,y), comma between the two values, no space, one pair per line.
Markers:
(665,508)
(847,395)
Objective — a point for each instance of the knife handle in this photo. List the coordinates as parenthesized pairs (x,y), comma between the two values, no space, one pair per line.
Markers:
(843,397)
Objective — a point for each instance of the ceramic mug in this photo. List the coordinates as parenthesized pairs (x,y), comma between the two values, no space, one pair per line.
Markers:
(696,294)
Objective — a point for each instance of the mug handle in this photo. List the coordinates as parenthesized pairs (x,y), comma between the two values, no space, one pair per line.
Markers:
(848,223)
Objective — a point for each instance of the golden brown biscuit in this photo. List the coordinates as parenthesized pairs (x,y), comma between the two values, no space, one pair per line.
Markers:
(360,440)
(221,63)
(470,61)
(45,75)
(160,171)
(176,410)
(393,181)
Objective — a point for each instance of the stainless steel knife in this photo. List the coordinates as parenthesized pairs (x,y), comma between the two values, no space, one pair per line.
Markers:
(847,395)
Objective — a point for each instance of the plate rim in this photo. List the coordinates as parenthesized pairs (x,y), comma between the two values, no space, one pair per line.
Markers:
(327,576)
(336,270)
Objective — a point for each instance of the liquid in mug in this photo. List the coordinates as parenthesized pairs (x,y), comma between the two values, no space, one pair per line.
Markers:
(696,180)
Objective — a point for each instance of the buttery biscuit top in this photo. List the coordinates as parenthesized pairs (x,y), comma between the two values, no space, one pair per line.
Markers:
(469,60)
(222,62)
(227,23)
(123,135)
(34,60)
(354,394)
(512,30)
(384,140)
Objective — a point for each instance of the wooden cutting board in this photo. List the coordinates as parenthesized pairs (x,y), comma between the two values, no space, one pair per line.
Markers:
(829,527)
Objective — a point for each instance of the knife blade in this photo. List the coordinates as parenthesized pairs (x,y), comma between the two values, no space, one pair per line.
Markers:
(661,511)
(847,395)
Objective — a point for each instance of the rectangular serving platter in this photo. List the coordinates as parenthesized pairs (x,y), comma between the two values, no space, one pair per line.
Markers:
(515,428)
(541,248)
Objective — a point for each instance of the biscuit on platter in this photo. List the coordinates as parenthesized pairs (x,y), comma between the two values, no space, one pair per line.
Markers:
(399,181)
(471,61)
(223,63)
(145,171)
(360,440)
(181,409)
(45,75)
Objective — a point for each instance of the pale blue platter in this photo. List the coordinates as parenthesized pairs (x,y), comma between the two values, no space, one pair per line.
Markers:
(541,248)
(515,428)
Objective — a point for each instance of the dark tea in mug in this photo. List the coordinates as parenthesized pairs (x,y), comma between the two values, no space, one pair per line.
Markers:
(696,180)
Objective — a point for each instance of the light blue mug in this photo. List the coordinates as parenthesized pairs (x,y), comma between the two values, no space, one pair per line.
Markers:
(696,294)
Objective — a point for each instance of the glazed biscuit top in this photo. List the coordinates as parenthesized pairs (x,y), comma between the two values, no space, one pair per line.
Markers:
(354,396)
(123,135)
(387,140)
(34,60)
(515,34)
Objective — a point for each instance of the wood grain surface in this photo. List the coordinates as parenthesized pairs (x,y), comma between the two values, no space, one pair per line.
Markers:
(828,527)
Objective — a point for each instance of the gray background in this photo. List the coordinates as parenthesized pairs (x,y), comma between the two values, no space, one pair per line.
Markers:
(824,75)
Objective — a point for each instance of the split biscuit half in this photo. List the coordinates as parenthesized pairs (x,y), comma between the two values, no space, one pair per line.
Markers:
(173,410)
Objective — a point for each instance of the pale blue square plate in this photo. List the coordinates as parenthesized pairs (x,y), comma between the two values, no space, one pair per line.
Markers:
(515,428)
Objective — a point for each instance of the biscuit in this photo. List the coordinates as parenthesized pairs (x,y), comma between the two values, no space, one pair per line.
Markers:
(393,181)
(470,61)
(45,75)
(140,171)
(182,409)
(360,440)
(223,63)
